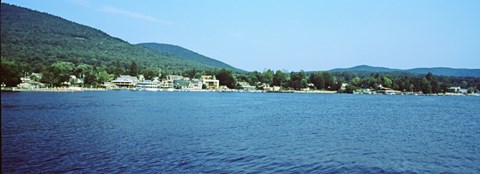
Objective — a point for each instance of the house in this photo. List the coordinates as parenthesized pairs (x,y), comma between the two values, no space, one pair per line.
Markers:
(169,82)
(36,76)
(210,81)
(125,81)
(174,77)
(273,88)
(181,84)
(384,90)
(141,78)
(344,86)
(364,91)
(29,83)
(148,85)
(74,81)
(246,86)
(454,89)
(186,83)
(196,84)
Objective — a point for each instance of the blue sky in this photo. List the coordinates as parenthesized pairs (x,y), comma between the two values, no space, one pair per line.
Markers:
(292,34)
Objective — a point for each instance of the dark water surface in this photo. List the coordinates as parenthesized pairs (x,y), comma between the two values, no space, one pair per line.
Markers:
(186,132)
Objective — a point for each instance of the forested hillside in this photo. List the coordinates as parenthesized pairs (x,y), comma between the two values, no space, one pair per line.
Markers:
(442,71)
(187,55)
(39,39)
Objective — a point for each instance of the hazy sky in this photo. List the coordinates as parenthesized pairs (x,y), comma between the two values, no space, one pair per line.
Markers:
(292,34)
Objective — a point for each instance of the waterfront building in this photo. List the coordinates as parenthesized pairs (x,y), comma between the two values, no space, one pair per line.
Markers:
(454,89)
(210,81)
(246,86)
(125,81)
(148,85)
(389,91)
(74,81)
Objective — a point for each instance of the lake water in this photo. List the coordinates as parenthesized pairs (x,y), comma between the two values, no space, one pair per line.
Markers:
(188,132)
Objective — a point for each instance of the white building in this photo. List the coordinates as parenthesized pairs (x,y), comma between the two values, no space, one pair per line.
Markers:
(125,81)
(210,81)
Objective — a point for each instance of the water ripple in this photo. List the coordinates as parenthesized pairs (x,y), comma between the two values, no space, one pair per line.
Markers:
(141,132)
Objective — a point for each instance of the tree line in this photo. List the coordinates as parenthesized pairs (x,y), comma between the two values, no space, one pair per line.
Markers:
(95,76)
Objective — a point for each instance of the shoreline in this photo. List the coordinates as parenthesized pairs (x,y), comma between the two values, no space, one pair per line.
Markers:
(79,89)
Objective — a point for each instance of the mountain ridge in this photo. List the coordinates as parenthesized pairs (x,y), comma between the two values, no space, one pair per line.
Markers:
(37,39)
(442,71)
(187,54)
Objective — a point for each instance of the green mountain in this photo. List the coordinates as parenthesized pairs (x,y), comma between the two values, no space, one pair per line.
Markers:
(364,68)
(36,40)
(187,55)
(460,72)
(441,71)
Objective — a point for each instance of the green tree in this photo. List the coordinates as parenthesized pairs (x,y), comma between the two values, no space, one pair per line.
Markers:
(279,78)
(356,81)
(226,77)
(317,79)
(102,77)
(149,73)
(49,78)
(9,73)
(61,72)
(133,69)
(191,73)
(118,70)
(425,86)
(387,82)
(268,76)
(244,78)
(471,90)
(297,80)
(83,69)
(350,88)
(329,80)
(257,77)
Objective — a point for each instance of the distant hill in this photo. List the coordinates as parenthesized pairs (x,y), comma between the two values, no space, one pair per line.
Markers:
(364,68)
(447,71)
(36,39)
(441,71)
(187,55)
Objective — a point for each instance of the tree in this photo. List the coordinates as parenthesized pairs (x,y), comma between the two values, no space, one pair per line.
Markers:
(268,76)
(90,79)
(356,81)
(191,73)
(49,78)
(83,69)
(471,90)
(425,86)
(9,73)
(226,77)
(297,80)
(61,72)
(149,73)
(118,70)
(350,88)
(387,82)
(317,80)
(257,77)
(244,78)
(279,78)
(102,77)
(329,80)
(133,69)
